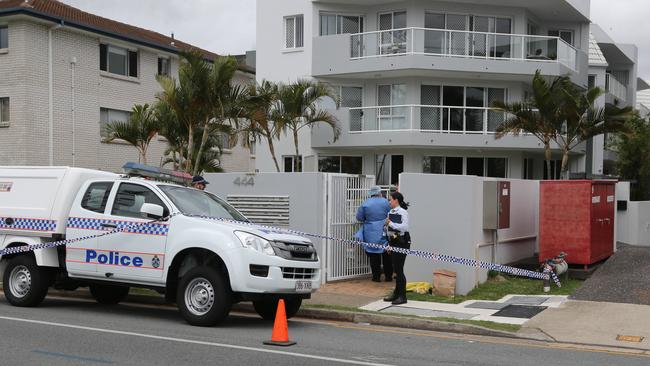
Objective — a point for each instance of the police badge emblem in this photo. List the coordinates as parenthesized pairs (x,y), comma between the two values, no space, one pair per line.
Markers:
(155,261)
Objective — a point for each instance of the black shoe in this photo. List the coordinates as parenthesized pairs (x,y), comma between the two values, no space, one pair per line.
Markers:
(398,301)
(390,297)
(376,279)
(388,279)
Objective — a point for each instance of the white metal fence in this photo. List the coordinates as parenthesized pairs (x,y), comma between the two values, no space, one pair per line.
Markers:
(345,193)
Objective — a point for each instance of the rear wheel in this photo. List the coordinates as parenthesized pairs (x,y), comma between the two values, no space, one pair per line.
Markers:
(108,294)
(25,283)
(203,296)
(267,308)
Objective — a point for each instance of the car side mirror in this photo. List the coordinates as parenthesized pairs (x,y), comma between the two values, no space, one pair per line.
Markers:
(152,210)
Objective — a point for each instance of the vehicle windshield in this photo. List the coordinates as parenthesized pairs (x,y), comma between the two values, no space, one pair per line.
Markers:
(195,202)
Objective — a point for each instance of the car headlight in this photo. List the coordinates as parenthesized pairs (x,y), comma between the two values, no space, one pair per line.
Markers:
(255,242)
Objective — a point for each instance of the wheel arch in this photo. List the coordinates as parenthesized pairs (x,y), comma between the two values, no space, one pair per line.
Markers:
(185,260)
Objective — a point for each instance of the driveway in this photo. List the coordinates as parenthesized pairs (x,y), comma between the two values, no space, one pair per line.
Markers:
(624,278)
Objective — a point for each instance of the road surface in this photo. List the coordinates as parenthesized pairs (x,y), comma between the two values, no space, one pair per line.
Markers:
(81,332)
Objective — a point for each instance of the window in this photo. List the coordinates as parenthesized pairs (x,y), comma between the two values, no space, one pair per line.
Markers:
(482,167)
(340,24)
(454,165)
(195,202)
(107,116)
(529,168)
(293,31)
(591,81)
(556,169)
(4,110)
(164,66)
(291,164)
(433,165)
(130,198)
(118,60)
(4,37)
(340,164)
(497,167)
(565,35)
(392,41)
(96,197)
(475,166)
(468,108)
(352,97)
(252,146)
(391,118)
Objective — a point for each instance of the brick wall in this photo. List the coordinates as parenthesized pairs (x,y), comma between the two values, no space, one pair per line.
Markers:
(24,78)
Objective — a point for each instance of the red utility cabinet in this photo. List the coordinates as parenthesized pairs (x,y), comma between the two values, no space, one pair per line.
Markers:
(577,217)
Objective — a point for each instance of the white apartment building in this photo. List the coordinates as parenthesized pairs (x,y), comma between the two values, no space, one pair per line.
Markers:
(65,73)
(613,68)
(416,79)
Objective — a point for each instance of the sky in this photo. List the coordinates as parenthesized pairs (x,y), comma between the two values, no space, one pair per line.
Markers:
(228,27)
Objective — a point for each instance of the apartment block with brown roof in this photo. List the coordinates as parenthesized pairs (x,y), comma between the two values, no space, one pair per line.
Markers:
(64,73)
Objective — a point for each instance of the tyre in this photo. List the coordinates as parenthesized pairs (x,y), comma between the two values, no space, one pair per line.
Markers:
(203,297)
(24,283)
(267,308)
(108,294)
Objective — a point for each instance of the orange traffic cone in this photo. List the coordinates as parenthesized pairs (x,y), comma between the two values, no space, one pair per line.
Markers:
(280,336)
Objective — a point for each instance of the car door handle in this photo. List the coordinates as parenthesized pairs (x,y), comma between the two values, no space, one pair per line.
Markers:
(113,226)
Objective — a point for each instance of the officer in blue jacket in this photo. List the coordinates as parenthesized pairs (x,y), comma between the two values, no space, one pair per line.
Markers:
(372,213)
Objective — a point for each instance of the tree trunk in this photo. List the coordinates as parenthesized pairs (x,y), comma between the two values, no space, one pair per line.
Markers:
(190,148)
(297,163)
(547,158)
(204,138)
(565,163)
(143,156)
(272,149)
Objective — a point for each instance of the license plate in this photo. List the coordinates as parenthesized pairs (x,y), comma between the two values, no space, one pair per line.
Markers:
(303,286)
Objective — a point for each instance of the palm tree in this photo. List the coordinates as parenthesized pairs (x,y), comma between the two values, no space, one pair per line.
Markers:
(582,120)
(297,107)
(188,98)
(138,131)
(258,117)
(539,116)
(225,102)
(174,132)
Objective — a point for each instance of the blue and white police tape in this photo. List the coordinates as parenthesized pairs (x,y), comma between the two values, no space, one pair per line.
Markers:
(418,253)
(53,244)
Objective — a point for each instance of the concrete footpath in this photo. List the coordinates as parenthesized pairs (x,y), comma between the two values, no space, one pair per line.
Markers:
(594,323)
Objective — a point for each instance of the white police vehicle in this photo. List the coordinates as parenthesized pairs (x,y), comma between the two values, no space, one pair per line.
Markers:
(202,264)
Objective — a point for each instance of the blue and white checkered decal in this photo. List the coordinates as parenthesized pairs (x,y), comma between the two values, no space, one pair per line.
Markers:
(19,223)
(96,224)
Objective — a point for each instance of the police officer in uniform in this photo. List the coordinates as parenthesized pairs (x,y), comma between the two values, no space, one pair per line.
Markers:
(372,214)
(397,230)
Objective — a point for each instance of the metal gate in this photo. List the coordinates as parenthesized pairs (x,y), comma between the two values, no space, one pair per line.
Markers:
(344,195)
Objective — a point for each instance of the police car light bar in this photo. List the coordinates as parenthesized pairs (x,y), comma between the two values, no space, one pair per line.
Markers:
(147,171)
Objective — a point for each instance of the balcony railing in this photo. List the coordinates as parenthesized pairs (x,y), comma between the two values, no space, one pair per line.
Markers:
(615,87)
(427,118)
(464,44)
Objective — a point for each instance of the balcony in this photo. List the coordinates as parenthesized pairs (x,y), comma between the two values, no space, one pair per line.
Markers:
(615,89)
(425,118)
(420,126)
(443,50)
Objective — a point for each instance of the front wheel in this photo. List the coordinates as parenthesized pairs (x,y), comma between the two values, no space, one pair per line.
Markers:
(203,297)
(24,282)
(267,308)
(108,294)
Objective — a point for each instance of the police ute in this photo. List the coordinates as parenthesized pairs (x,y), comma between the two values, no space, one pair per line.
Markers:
(123,231)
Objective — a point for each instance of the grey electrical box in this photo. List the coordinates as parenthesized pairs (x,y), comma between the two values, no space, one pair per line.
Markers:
(496,205)
(490,205)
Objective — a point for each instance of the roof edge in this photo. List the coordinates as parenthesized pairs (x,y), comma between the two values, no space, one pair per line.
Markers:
(89,28)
